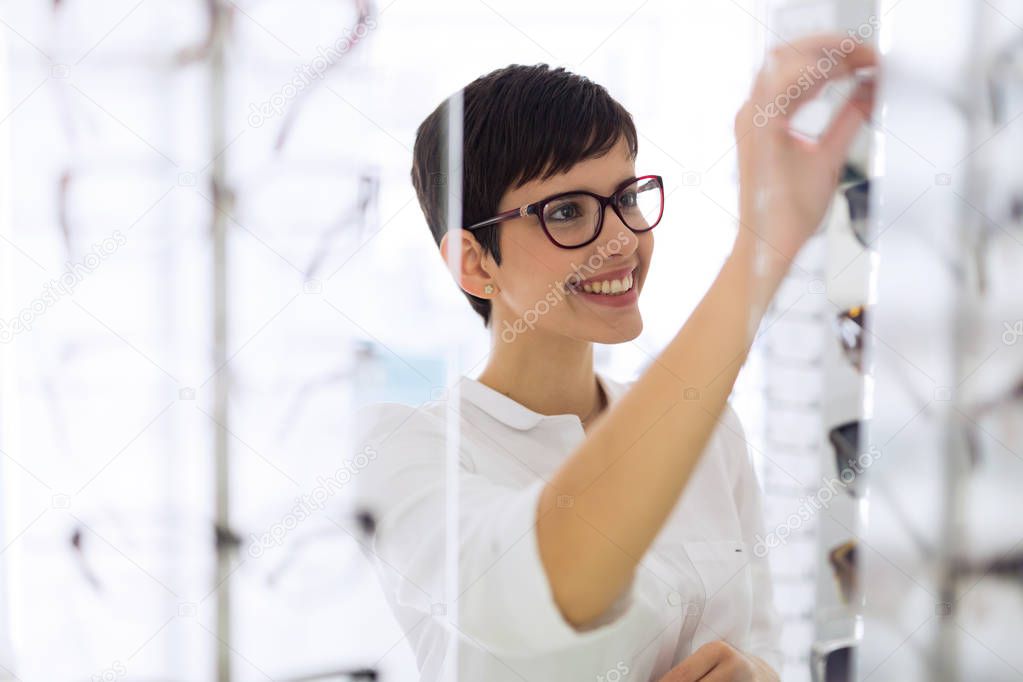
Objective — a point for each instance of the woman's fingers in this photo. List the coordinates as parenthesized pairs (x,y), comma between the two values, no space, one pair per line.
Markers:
(836,139)
(795,72)
(698,664)
(719,661)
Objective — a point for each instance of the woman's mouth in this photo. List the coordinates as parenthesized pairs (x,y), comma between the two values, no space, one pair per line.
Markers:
(613,288)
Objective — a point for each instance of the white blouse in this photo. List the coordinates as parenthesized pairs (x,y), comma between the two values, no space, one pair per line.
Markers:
(698,582)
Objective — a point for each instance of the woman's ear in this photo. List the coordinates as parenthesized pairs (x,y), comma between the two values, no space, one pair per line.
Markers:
(473,276)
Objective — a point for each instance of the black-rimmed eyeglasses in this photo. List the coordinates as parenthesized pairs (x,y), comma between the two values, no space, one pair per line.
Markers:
(574,219)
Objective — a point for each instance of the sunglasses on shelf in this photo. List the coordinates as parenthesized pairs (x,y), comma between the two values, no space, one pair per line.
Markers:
(845,440)
(831,660)
(855,187)
(849,326)
(843,563)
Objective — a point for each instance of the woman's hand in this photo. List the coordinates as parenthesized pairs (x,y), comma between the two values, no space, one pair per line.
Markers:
(786,182)
(719,661)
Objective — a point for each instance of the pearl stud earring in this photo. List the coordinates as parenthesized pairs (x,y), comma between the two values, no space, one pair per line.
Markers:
(488,289)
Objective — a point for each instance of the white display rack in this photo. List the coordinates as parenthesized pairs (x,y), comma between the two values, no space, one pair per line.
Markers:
(943,598)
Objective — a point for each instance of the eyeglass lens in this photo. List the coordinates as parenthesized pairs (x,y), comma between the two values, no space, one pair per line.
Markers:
(575,218)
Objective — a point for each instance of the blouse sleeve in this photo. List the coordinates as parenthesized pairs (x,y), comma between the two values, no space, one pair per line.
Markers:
(505,602)
(765,630)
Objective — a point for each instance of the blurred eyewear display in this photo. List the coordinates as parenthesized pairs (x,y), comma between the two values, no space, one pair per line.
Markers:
(843,562)
(831,660)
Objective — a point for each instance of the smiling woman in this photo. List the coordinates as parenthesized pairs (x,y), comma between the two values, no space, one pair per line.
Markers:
(600,524)
(568,237)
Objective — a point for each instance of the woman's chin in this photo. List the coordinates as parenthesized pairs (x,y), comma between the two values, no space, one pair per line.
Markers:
(621,330)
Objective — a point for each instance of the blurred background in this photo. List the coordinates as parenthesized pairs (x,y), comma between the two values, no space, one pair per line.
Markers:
(212,254)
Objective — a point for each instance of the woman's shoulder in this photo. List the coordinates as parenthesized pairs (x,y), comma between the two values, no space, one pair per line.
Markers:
(728,422)
(733,445)
(372,421)
(728,442)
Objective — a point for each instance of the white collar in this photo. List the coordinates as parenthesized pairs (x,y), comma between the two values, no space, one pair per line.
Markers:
(516,415)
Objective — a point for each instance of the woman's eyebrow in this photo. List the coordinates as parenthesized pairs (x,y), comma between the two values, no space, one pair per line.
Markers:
(624,180)
(596,190)
(616,185)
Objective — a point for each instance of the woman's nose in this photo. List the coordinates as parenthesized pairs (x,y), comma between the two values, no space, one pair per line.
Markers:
(615,236)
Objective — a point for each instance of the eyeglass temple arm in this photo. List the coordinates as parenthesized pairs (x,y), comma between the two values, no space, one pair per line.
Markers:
(522,211)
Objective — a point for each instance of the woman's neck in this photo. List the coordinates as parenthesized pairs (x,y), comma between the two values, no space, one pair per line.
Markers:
(549,378)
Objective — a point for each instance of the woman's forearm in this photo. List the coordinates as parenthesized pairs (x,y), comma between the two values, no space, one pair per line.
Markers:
(628,474)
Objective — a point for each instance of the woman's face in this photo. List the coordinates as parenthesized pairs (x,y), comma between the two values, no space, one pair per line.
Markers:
(540,285)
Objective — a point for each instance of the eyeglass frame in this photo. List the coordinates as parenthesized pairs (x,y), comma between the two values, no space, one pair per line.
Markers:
(536,208)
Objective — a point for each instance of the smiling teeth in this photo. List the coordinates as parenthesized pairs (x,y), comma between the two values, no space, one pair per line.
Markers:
(609,286)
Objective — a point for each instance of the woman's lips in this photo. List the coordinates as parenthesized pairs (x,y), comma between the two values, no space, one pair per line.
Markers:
(614,300)
(610,299)
(612,274)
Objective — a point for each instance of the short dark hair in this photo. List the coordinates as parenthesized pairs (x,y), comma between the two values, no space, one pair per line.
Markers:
(520,123)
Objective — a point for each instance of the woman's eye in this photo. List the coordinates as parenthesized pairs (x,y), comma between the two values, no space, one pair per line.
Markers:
(627,199)
(565,212)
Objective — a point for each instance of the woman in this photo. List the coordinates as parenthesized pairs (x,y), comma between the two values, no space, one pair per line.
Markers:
(604,530)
